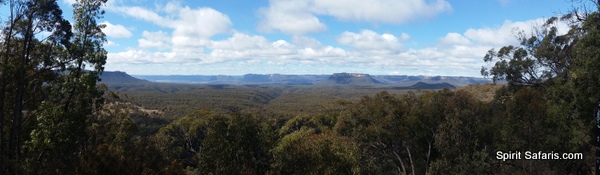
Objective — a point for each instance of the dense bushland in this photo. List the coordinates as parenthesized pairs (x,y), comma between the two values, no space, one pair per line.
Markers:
(56,119)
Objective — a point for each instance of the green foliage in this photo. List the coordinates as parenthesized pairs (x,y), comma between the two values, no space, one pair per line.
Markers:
(182,101)
(235,145)
(555,112)
(319,123)
(482,92)
(585,76)
(395,133)
(302,152)
(114,145)
(541,57)
(46,96)
(73,95)
(182,139)
(177,100)
(461,138)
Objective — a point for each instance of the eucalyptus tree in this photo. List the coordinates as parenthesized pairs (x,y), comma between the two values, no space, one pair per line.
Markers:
(26,65)
(46,90)
(561,71)
(72,94)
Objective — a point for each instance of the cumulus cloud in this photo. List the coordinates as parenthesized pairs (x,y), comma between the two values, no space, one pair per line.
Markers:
(192,27)
(368,40)
(240,41)
(455,39)
(300,16)
(201,22)
(304,41)
(380,11)
(278,52)
(157,40)
(238,47)
(115,31)
(506,33)
(143,14)
(290,17)
(502,35)
(369,50)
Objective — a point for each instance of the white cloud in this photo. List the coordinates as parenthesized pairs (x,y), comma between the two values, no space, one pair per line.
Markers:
(134,56)
(506,33)
(240,41)
(202,22)
(368,40)
(300,16)
(304,41)
(370,50)
(244,46)
(192,27)
(157,40)
(115,31)
(502,35)
(143,14)
(290,17)
(454,39)
(380,11)
(238,47)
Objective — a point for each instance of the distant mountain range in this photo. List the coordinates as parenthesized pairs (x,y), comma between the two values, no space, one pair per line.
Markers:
(120,77)
(337,79)
(350,79)
(421,85)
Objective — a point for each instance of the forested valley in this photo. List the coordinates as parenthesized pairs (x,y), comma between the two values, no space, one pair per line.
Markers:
(58,117)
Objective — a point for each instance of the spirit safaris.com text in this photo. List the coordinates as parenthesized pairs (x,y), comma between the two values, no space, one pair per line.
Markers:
(529,155)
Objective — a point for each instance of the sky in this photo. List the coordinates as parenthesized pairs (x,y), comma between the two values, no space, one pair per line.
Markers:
(378,37)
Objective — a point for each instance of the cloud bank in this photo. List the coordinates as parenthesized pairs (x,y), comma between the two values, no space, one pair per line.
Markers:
(188,44)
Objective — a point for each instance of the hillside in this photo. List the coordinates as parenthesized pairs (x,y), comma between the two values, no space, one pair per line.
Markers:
(117,77)
(353,79)
(483,92)
(421,85)
(412,79)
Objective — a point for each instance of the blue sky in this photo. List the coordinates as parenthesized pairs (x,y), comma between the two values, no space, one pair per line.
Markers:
(383,37)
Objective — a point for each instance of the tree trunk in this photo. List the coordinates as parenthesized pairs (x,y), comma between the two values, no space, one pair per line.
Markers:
(15,134)
(77,75)
(428,158)
(412,163)
(3,82)
(401,163)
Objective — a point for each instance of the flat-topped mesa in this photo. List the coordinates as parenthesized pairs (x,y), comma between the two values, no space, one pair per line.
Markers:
(350,79)
(421,85)
(111,77)
(256,78)
(344,74)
